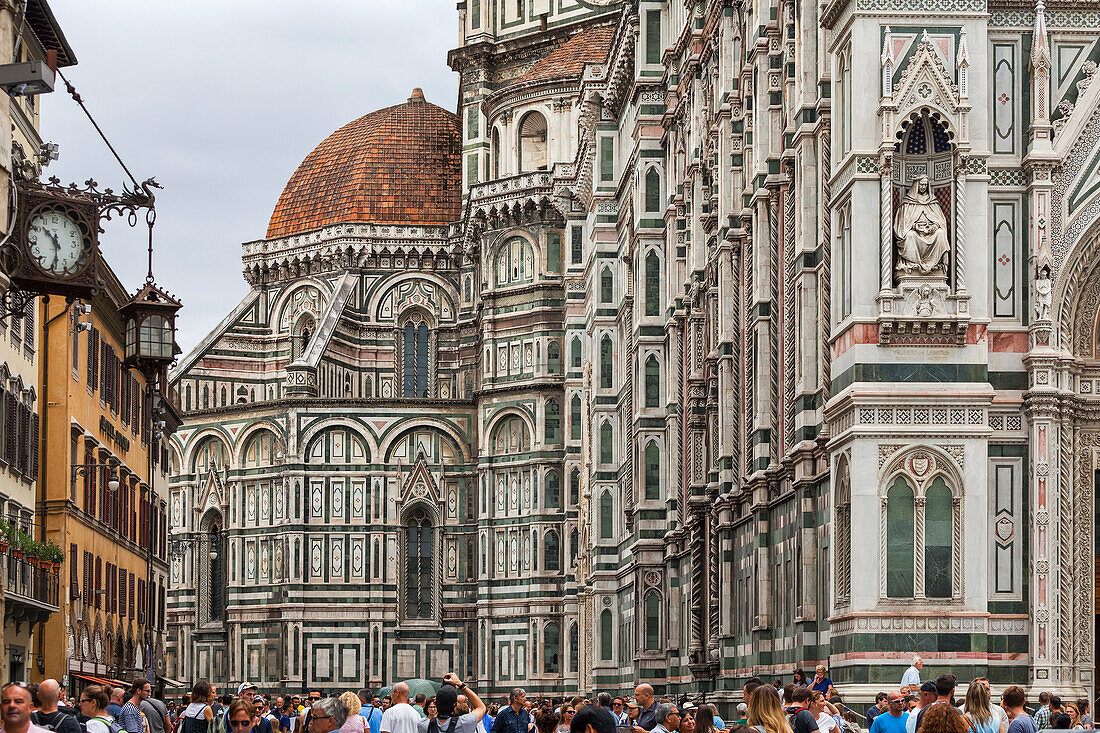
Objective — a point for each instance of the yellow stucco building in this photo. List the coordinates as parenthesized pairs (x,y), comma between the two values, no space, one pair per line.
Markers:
(100,466)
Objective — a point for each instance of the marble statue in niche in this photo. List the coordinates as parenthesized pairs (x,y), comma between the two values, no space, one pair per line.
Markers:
(920,229)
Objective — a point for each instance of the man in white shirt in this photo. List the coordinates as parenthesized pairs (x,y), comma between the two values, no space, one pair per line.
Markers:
(910,681)
(400,717)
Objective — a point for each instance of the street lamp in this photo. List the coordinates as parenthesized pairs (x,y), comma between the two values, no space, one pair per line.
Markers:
(179,546)
(150,322)
(84,469)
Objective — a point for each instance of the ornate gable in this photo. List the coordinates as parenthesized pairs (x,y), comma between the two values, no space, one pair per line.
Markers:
(925,82)
(211,493)
(419,484)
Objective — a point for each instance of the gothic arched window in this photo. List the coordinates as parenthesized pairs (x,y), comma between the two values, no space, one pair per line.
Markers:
(532,143)
(515,263)
(652,189)
(574,487)
(607,448)
(418,566)
(899,540)
(652,284)
(652,382)
(551,549)
(842,565)
(553,357)
(496,153)
(607,636)
(553,421)
(575,356)
(553,490)
(303,332)
(607,377)
(551,649)
(652,621)
(652,470)
(574,643)
(575,418)
(607,518)
(416,357)
(937,540)
(607,286)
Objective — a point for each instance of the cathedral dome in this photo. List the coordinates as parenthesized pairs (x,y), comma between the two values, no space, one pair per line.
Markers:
(399,165)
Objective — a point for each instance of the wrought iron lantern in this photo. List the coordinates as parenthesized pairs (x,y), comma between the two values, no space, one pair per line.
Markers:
(150,321)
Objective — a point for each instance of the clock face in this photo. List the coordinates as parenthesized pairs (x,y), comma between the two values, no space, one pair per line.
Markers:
(56,242)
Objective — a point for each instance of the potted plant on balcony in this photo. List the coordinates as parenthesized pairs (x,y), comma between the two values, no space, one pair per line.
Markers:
(53,555)
(5,536)
(19,544)
(34,551)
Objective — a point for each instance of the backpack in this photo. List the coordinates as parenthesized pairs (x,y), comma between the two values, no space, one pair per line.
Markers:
(112,725)
(433,724)
(59,719)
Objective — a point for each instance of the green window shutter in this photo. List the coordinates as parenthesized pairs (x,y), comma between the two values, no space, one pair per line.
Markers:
(653,37)
(607,158)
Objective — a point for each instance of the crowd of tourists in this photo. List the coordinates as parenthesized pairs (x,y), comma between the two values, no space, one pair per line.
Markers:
(804,705)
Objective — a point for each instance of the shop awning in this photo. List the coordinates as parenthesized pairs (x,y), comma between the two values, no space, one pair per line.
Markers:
(100,680)
(169,682)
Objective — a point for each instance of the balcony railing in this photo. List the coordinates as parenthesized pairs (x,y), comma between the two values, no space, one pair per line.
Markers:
(36,588)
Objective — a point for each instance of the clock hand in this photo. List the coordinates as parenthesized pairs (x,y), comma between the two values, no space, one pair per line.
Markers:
(56,248)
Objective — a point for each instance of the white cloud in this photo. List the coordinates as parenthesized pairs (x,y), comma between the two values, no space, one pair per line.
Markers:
(221,100)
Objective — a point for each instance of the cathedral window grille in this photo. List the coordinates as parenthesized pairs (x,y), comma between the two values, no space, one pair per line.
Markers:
(652,190)
(938,523)
(576,251)
(553,421)
(553,490)
(553,252)
(515,263)
(552,552)
(922,539)
(575,356)
(551,649)
(607,447)
(574,546)
(607,159)
(532,143)
(607,286)
(415,357)
(653,37)
(607,377)
(607,516)
(652,621)
(652,382)
(574,488)
(575,418)
(652,471)
(553,357)
(652,284)
(607,636)
(418,567)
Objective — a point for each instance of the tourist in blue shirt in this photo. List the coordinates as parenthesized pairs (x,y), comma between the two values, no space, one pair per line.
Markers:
(514,718)
(370,711)
(893,720)
(821,683)
(490,718)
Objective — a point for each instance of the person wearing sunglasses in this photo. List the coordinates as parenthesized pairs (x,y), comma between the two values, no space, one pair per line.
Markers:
(242,716)
(327,715)
(93,702)
(567,712)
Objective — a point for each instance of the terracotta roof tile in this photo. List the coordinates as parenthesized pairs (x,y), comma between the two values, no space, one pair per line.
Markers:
(399,165)
(590,46)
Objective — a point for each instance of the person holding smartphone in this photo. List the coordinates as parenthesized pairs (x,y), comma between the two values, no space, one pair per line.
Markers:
(445,720)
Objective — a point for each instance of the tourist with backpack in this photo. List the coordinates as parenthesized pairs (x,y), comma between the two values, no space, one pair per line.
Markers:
(48,716)
(445,721)
(93,703)
(198,717)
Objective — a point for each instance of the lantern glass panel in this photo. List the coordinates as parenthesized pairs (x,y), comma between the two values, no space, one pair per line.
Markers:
(156,338)
(131,338)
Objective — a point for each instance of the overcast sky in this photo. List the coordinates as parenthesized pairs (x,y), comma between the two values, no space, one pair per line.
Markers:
(221,100)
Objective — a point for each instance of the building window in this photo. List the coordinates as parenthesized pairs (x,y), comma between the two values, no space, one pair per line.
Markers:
(899,540)
(652,190)
(574,643)
(844,262)
(937,540)
(553,421)
(576,244)
(575,356)
(553,252)
(652,284)
(532,143)
(607,449)
(552,551)
(575,418)
(551,649)
(415,357)
(606,376)
(553,357)
(923,523)
(552,490)
(418,566)
(653,37)
(574,488)
(607,636)
(842,568)
(652,382)
(515,263)
(653,621)
(496,153)
(607,286)
(607,159)
(652,471)
(303,332)
(607,516)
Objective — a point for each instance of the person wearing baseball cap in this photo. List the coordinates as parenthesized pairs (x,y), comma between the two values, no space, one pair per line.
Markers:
(248,692)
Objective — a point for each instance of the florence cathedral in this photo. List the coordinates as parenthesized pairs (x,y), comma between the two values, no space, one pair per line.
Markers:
(702,339)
